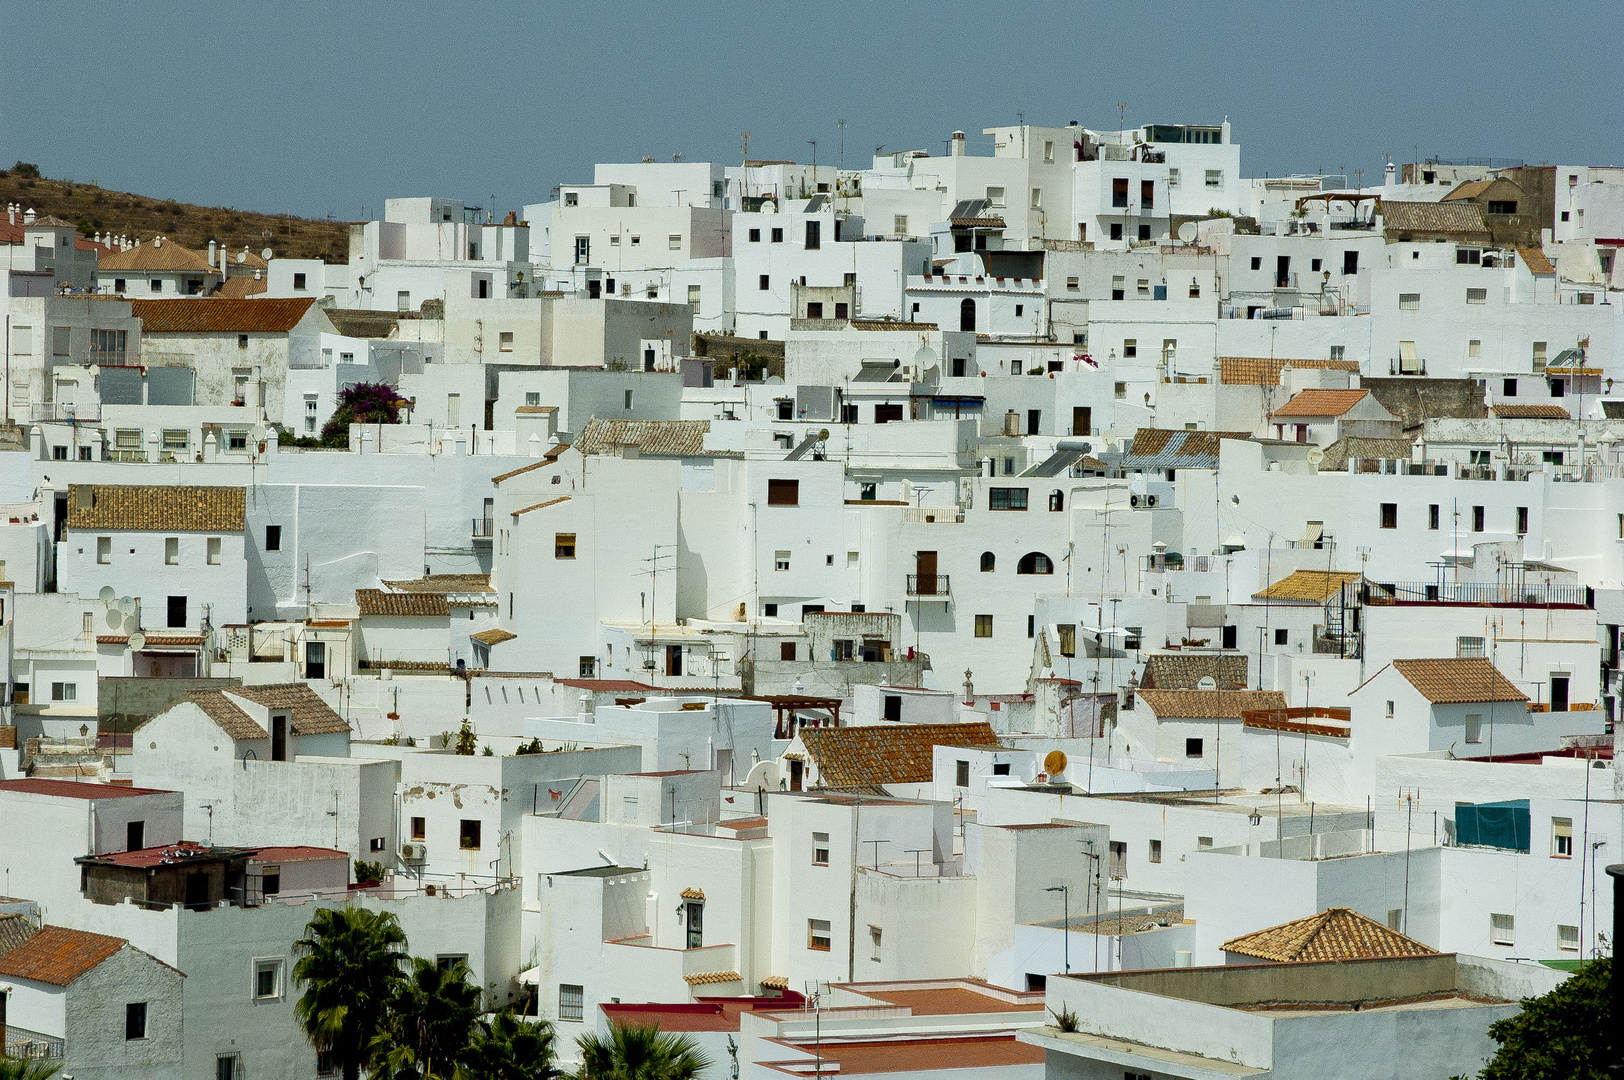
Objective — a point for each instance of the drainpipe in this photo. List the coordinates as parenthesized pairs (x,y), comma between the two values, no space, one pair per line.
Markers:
(1616,872)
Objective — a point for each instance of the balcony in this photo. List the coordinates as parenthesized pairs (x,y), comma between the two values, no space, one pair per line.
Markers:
(484,528)
(929,587)
(1476,594)
(24,1044)
(933,515)
(42,411)
(1406,366)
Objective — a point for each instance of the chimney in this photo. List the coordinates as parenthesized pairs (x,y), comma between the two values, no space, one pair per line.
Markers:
(28,216)
(212,256)
(958,144)
(1390,175)
(11,213)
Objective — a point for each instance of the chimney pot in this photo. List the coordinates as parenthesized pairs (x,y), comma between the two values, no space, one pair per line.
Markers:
(28,216)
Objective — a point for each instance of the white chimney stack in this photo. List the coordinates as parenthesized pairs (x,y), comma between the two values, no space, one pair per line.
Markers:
(28,216)
(958,144)
(211,255)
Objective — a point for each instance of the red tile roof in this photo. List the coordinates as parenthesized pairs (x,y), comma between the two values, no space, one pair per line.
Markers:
(76,789)
(1316,403)
(168,855)
(58,956)
(298,854)
(219,315)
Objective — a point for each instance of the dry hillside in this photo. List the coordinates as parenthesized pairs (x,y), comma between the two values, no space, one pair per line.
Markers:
(94,209)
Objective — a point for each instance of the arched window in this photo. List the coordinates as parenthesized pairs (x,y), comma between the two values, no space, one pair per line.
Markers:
(988,562)
(967,315)
(1057,501)
(1035,562)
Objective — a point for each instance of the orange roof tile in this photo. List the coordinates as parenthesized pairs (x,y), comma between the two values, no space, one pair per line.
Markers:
(219,315)
(1265,370)
(886,753)
(1307,586)
(164,257)
(1210,704)
(58,956)
(409,604)
(1319,403)
(1531,412)
(1458,680)
(1337,933)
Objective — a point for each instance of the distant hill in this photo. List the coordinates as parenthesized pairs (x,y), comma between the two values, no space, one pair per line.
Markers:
(94,209)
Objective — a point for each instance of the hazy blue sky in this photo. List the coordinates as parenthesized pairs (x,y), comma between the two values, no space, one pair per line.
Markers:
(325,108)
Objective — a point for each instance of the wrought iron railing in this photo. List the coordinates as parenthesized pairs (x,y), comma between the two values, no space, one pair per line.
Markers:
(1513,594)
(929,585)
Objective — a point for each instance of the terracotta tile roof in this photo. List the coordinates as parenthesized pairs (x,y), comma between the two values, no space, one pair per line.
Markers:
(692,894)
(549,458)
(1456,681)
(401,604)
(1166,448)
(75,789)
(705,978)
(1337,933)
(240,287)
(219,315)
(1307,586)
(1470,189)
(991,222)
(1210,704)
(541,505)
(298,854)
(445,583)
(14,930)
(164,257)
(886,753)
(655,438)
(1531,412)
(155,640)
(494,636)
(1534,258)
(156,508)
(58,956)
(1318,403)
(1459,218)
(776,982)
(1337,454)
(1265,371)
(1182,671)
(309,713)
(186,851)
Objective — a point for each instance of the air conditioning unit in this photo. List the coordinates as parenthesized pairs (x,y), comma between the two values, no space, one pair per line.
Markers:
(1141,500)
(414,852)
(1150,500)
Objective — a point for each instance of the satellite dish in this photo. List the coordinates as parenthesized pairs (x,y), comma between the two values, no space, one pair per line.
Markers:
(1055,763)
(769,207)
(138,641)
(1315,456)
(265,253)
(115,621)
(126,604)
(107,594)
(1188,231)
(924,358)
(259,432)
(1207,682)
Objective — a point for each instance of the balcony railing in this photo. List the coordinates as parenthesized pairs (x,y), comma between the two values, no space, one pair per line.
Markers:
(933,515)
(484,528)
(1397,366)
(1479,593)
(60,410)
(22,1043)
(929,587)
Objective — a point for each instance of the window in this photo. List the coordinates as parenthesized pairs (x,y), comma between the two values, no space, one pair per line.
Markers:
(420,828)
(1193,747)
(1119,859)
(627,400)
(583,248)
(1409,301)
(1432,517)
(155,285)
(1130,347)
(298,281)
(783,493)
(468,834)
(1502,929)
(64,691)
(1120,391)
(1071,284)
(989,562)
(273,538)
(874,933)
(174,439)
(1144,287)
(108,346)
(325,1065)
(764,283)
(1522,521)
(673,241)
(1119,286)
(1389,710)
(814,235)
(755,236)
(983,626)
(1116,230)
(1477,296)
(172,551)
(780,560)
(1257,262)
(995,196)
(135,1020)
(1001,498)
(1474,727)
(1389,515)
(820,849)
(817,934)
(268,978)
(1119,191)
(104,549)
(563,545)
(778,236)
(1561,838)
(571,1001)
(177,611)
(1567,938)
(1477,519)
(1035,562)
(1215,178)
(1281,637)
(1474,347)
(961,774)
(1469,647)
(1203,843)
(504,341)
(1155,851)
(1037,198)
(1314,265)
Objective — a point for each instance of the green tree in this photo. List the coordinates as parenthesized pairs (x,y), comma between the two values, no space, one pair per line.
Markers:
(508,1047)
(430,1024)
(27,1068)
(639,1053)
(1567,1034)
(349,969)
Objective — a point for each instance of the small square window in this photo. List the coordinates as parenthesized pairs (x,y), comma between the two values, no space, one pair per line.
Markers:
(1130,348)
(817,935)
(504,341)
(778,236)
(674,241)
(468,834)
(780,560)
(1567,938)
(983,626)
(267,978)
(1155,851)
(563,545)
(273,538)
(1280,637)
(1502,930)
(1193,748)
(172,551)
(820,849)
(420,828)
(764,283)
(571,1001)
(135,1020)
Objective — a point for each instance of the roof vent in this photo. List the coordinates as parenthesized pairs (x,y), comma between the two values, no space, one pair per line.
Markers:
(84,496)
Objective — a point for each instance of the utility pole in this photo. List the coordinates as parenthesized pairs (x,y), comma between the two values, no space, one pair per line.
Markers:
(1065,919)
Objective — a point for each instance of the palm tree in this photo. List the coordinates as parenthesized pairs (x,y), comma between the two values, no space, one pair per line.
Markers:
(430,1022)
(639,1053)
(27,1068)
(349,968)
(508,1047)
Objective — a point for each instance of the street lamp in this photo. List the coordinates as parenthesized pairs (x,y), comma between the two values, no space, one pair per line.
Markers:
(1065,921)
